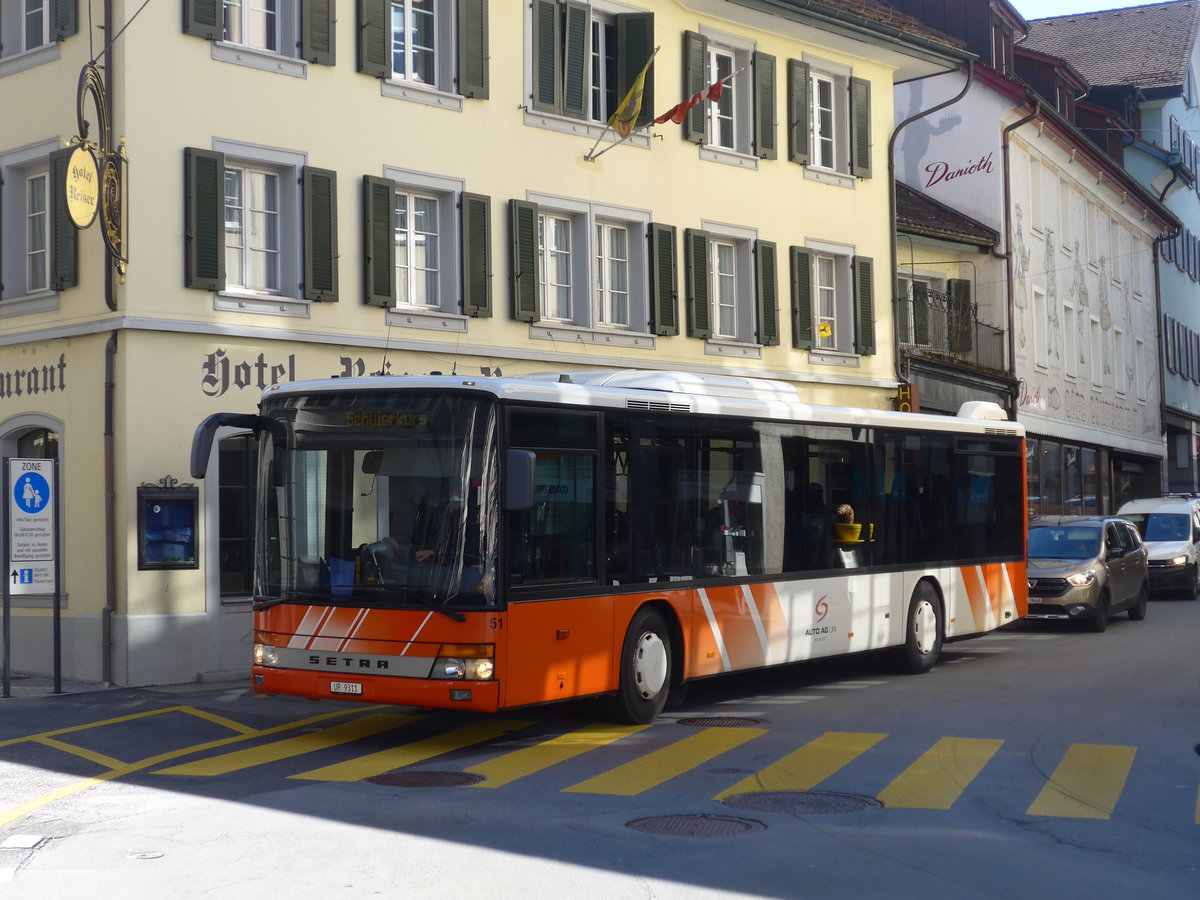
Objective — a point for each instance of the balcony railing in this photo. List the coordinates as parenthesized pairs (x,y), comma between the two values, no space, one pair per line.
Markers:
(944,327)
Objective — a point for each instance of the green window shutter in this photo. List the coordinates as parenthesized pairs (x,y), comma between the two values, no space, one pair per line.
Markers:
(802,289)
(317,43)
(204,219)
(547,57)
(695,80)
(864,304)
(375,38)
(320,234)
(66,19)
(635,45)
(576,59)
(697,294)
(379,246)
(523,262)
(961,320)
(765,145)
(64,243)
(799,104)
(920,313)
(476,224)
(860,127)
(473,49)
(664,280)
(204,18)
(767,281)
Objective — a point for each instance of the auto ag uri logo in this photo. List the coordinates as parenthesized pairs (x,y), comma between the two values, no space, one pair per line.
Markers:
(821,609)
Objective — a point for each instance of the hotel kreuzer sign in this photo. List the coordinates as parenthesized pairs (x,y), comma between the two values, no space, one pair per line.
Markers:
(83,187)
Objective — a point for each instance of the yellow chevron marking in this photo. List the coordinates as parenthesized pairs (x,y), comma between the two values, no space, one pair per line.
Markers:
(289,747)
(407,754)
(511,766)
(98,758)
(663,764)
(808,766)
(1087,782)
(940,775)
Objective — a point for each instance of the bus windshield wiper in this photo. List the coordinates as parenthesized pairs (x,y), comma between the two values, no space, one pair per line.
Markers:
(261,603)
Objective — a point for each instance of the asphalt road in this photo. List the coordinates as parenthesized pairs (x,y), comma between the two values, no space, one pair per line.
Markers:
(1039,761)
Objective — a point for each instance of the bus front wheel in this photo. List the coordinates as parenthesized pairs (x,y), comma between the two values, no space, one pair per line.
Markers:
(645,678)
(923,634)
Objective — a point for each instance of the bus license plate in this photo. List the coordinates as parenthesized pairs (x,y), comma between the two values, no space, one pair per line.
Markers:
(345,687)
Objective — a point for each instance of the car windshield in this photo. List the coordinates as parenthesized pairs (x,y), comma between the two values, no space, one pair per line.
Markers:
(1162,526)
(1064,542)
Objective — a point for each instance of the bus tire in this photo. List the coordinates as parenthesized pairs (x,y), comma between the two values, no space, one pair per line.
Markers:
(645,674)
(924,630)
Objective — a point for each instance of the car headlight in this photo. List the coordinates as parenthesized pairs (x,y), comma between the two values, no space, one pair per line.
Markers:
(265,655)
(1177,561)
(1082,579)
(465,662)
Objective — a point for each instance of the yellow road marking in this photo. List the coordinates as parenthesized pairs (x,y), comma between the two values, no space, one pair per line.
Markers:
(1087,783)
(23,809)
(398,757)
(217,720)
(809,766)
(508,768)
(663,764)
(289,747)
(940,775)
(98,758)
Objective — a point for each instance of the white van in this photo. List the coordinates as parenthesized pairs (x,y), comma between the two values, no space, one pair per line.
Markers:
(1170,526)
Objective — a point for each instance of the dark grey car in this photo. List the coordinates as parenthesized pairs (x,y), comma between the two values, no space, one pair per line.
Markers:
(1085,568)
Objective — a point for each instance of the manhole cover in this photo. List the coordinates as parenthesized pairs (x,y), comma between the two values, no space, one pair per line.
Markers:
(801,802)
(721,722)
(426,779)
(695,825)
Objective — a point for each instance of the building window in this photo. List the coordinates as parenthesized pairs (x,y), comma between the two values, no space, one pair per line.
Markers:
(418,256)
(1064,214)
(1090,225)
(37,24)
(1040,334)
(253,23)
(591,262)
(735,123)
(723,277)
(1097,355)
(824,130)
(1118,363)
(261,227)
(1114,250)
(414,41)
(1002,45)
(833,300)
(1070,336)
(1035,195)
(252,230)
(39,443)
(922,311)
(586,57)
(612,273)
(37,254)
(727,285)
(554,266)
(725,119)
(1139,364)
(829,119)
(30,31)
(827,292)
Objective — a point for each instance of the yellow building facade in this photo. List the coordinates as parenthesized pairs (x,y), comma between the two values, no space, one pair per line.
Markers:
(341,188)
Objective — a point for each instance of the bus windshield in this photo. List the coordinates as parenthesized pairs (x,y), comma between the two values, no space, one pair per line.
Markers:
(380,500)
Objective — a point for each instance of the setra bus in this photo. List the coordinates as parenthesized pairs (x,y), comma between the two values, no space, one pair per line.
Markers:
(443,541)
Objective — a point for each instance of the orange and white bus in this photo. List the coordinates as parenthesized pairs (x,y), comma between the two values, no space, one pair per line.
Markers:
(441,541)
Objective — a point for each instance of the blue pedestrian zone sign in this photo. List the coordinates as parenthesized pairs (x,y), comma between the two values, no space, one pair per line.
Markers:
(32,493)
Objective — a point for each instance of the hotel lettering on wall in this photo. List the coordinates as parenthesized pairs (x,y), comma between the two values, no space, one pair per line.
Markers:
(221,373)
(907,398)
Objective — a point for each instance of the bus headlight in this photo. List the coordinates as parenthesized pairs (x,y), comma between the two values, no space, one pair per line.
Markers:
(465,662)
(265,655)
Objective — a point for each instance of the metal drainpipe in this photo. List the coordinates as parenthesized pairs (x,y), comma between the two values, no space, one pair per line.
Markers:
(892,203)
(1162,375)
(1008,261)
(110,351)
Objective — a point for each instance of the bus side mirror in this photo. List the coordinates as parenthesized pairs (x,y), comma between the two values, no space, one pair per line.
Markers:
(518,482)
(206,432)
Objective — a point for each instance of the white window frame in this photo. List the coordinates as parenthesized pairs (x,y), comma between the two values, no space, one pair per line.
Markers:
(41,8)
(842,320)
(838,76)
(36,233)
(16,167)
(287,299)
(613,301)
(1097,337)
(1090,226)
(441,50)
(1070,339)
(744,328)
(411,271)
(737,97)
(255,243)
(284,59)
(1139,363)
(1118,338)
(905,281)
(1137,258)
(241,23)
(1064,215)
(15,56)
(1041,344)
(1114,250)
(589,318)
(1036,223)
(557,287)
(446,314)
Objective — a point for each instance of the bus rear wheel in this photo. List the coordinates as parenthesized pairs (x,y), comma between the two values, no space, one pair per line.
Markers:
(924,630)
(645,677)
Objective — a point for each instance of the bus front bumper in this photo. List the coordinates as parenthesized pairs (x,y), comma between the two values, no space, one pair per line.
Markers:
(481,696)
